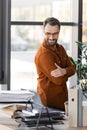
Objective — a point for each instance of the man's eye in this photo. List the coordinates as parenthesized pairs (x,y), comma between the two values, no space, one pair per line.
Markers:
(48,33)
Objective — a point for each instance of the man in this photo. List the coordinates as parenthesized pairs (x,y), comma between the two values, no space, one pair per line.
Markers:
(53,67)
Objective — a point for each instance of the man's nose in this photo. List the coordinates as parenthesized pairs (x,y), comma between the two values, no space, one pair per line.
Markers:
(51,36)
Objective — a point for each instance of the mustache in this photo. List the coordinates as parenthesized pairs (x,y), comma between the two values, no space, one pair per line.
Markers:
(52,39)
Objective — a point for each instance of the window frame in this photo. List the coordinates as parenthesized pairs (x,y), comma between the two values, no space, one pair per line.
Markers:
(5,36)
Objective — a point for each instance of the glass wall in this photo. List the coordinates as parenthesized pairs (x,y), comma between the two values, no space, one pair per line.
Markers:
(84,36)
(26,38)
(25,10)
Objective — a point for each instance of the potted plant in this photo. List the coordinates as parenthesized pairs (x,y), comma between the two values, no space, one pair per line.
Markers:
(81,66)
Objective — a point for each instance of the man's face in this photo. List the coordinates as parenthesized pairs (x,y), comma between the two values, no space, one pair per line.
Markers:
(51,34)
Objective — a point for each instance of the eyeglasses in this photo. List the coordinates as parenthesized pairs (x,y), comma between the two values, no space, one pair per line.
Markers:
(51,34)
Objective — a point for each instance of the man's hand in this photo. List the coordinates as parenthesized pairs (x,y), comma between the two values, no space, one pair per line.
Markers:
(58,72)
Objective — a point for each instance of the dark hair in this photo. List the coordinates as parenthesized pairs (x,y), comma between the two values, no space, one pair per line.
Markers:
(52,21)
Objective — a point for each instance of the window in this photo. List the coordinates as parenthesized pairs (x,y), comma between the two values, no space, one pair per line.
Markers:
(84,36)
(24,10)
(26,35)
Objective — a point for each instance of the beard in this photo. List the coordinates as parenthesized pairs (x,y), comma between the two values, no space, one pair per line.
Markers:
(51,42)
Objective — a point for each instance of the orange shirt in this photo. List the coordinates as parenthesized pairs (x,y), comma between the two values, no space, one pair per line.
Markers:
(52,90)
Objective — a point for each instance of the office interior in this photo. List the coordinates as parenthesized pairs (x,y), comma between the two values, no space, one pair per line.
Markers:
(21,34)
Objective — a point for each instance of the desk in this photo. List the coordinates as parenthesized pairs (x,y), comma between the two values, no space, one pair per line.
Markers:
(12,125)
(2,127)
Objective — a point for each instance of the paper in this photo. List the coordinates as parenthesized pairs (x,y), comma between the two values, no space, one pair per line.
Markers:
(9,97)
